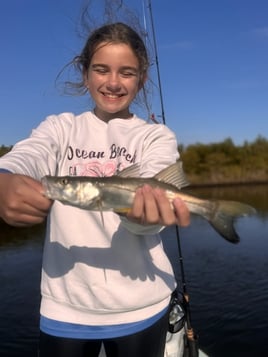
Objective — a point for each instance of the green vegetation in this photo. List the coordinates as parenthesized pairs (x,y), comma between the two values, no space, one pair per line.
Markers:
(4,149)
(221,163)
(226,163)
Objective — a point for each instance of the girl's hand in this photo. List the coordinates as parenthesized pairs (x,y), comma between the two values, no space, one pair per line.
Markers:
(151,206)
(21,200)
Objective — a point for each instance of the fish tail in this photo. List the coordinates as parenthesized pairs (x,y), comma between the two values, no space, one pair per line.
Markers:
(222,215)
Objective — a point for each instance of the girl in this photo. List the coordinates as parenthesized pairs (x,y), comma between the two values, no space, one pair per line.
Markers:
(110,284)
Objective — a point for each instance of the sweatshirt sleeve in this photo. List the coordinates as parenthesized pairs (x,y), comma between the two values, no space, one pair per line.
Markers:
(140,229)
(160,149)
(38,155)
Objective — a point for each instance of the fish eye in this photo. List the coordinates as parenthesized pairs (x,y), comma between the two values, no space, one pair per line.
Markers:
(64,181)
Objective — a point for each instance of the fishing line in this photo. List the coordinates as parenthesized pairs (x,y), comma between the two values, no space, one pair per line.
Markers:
(190,335)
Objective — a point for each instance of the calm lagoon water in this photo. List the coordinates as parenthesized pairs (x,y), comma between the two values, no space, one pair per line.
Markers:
(227,284)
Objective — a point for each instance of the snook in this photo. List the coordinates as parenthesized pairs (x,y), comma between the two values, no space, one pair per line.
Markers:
(116,193)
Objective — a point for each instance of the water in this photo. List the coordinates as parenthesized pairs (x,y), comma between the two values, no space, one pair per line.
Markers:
(227,284)
(20,264)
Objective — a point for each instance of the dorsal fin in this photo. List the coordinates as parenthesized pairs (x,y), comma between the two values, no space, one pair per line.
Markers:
(130,171)
(173,175)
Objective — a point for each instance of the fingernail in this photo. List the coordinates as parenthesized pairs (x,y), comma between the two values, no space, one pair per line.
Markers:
(139,190)
(147,188)
(177,200)
(159,190)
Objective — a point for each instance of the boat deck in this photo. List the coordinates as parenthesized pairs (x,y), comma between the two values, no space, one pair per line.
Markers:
(201,353)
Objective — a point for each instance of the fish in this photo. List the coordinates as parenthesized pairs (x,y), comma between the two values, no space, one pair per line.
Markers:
(116,193)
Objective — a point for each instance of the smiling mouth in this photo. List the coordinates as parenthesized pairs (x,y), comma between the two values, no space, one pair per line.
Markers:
(112,96)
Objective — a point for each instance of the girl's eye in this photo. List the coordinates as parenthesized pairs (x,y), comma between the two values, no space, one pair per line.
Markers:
(129,74)
(101,70)
(123,72)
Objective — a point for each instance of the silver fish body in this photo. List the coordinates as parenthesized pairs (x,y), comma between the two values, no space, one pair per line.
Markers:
(116,193)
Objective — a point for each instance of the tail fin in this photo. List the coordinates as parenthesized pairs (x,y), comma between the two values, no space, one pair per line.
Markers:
(223,216)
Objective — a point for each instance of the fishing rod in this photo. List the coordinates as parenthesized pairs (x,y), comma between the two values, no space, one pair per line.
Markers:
(191,349)
(157,63)
(192,339)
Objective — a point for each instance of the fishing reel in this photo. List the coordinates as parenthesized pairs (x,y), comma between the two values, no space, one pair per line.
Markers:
(176,313)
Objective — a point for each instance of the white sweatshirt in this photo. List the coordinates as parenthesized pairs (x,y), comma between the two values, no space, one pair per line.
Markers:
(91,274)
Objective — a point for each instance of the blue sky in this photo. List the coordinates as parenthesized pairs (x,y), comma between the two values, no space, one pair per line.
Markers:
(213,58)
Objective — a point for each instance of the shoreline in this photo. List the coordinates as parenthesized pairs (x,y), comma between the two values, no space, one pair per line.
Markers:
(227,183)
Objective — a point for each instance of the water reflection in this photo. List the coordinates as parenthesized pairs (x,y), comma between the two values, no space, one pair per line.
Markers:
(255,195)
(16,236)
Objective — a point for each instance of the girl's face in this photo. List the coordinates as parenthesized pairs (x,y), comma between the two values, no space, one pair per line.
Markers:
(113,80)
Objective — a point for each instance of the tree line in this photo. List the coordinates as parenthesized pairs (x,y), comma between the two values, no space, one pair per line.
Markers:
(220,163)
(224,162)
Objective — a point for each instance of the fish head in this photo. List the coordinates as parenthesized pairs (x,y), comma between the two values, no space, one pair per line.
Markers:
(70,190)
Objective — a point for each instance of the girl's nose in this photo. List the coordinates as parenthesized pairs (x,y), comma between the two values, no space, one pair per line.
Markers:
(113,82)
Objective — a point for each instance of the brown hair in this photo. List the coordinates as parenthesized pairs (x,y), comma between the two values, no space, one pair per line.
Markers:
(111,33)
